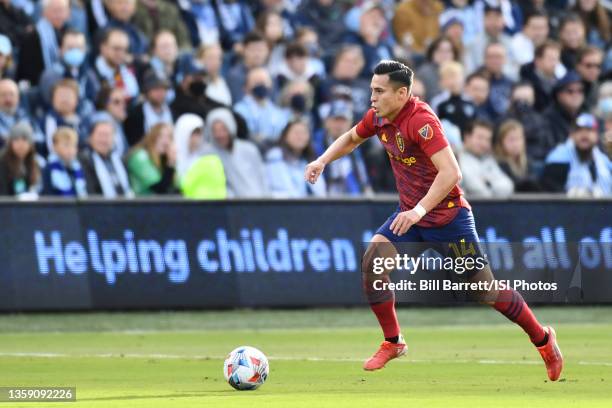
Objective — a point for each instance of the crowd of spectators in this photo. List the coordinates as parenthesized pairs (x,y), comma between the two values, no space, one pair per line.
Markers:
(231,98)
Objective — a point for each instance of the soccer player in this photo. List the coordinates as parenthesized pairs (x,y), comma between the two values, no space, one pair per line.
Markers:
(432,208)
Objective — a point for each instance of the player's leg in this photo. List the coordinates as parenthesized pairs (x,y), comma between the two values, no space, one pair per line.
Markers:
(382,301)
(461,233)
(511,304)
(380,298)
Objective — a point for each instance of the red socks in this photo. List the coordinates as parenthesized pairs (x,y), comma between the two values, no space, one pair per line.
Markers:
(385,313)
(510,303)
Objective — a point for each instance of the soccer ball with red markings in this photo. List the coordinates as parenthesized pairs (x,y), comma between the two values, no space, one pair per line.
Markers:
(246,368)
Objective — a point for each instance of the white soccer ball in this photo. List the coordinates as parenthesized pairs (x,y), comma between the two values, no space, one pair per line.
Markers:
(246,368)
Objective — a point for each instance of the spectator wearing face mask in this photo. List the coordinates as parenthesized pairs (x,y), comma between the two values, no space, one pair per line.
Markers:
(297,99)
(255,54)
(578,167)
(40,48)
(191,97)
(264,118)
(72,65)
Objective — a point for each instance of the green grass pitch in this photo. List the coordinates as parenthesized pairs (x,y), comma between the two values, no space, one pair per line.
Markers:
(465,357)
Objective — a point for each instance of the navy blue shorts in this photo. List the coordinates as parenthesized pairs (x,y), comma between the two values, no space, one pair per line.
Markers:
(462,227)
(456,239)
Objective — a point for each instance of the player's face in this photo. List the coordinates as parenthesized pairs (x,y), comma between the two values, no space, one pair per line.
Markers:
(385,100)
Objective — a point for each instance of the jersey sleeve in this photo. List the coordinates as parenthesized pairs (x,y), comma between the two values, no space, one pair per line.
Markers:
(365,128)
(426,131)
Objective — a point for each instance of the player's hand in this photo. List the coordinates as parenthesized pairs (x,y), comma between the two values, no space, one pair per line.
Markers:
(313,171)
(404,221)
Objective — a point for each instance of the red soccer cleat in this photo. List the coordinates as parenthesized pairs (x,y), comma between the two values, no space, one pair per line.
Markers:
(551,354)
(387,351)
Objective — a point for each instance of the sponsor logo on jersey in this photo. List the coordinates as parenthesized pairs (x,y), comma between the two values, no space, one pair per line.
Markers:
(400,142)
(426,132)
(407,161)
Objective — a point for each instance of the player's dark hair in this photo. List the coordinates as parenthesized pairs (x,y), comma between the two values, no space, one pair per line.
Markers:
(399,74)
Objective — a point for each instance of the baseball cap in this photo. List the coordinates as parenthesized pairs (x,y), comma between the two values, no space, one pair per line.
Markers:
(586,121)
(340,109)
(152,81)
(571,77)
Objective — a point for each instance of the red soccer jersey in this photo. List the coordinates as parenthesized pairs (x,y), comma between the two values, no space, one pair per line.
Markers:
(410,140)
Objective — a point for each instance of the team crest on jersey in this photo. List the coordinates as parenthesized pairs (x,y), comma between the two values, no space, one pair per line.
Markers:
(384,137)
(400,141)
(426,132)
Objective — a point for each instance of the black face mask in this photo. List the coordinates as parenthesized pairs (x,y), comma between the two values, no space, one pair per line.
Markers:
(298,103)
(522,106)
(260,91)
(197,88)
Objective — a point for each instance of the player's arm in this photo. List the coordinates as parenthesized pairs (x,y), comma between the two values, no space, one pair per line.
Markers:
(448,176)
(342,146)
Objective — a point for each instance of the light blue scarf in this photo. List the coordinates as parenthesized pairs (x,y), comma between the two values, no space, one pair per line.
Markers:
(152,118)
(48,42)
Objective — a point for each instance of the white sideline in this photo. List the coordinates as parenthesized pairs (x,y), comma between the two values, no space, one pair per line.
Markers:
(278,358)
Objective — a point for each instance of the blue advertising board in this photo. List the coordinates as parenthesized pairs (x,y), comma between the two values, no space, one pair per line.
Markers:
(185,254)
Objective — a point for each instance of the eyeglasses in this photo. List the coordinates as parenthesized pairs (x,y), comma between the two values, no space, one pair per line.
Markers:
(117,101)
